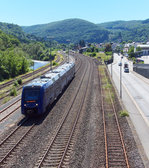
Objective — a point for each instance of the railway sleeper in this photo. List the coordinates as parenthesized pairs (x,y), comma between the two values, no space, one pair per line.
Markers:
(56,153)
(54,160)
(118,164)
(49,164)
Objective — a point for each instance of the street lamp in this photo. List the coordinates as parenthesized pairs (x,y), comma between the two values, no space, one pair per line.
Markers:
(111,64)
(33,69)
(68,51)
(121,78)
(50,57)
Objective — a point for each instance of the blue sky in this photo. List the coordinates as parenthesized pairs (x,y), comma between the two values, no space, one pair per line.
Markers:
(31,12)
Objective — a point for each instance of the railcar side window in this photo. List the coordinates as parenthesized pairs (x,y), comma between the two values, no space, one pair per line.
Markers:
(31,95)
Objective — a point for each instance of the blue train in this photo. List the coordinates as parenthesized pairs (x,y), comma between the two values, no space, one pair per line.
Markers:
(41,92)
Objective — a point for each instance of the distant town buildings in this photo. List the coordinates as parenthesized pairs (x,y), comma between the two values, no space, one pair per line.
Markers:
(144,48)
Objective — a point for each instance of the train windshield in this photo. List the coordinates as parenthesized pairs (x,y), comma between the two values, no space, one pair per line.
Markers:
(31,94)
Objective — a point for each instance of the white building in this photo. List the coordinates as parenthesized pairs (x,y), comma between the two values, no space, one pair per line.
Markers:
(144,48)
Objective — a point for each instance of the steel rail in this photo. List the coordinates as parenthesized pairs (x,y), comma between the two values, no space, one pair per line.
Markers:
(59,126)
(9,106)
(30,75)
(20,105)
(18,142)
(104,123)
(120,132)
(10,113)
(74,126)
(118,127)
(26,75)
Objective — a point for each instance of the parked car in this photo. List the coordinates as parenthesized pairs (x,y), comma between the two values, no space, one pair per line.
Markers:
(126,70)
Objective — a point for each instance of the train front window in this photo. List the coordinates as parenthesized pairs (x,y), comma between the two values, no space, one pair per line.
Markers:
(31,95)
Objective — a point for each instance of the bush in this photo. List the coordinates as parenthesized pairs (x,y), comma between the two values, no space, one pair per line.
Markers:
(19,81)
(93,54)
(16,83)
(13,91)
(124,113)
(55,63)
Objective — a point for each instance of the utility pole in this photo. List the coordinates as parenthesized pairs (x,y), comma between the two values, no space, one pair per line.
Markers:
(50,57)
(121,78)
(33,69)
(68,51)
(111,65)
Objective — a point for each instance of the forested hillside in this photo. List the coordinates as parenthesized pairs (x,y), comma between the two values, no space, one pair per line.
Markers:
(78,29)
(13,60)
(135,30)
(72,29)
(15,55)
(14,30)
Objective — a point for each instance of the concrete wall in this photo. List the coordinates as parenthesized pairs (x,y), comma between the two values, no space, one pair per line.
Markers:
(142,69)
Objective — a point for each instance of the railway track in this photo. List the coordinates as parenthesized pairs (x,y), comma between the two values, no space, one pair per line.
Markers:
(43,70)
(7,111)
(11,143)
(57,152)
(17,137)
(26,75)
(115,151)
(18,101)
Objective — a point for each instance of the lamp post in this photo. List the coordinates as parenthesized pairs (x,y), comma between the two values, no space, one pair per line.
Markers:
(111,64)
(33,69)
(68,51)
(121,78)
(50,57)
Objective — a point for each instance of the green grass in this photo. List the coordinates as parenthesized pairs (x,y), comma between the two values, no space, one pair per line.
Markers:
(124,113)
(6,99)
(13,91)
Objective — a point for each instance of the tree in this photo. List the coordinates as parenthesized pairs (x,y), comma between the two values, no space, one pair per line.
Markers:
(82,43)
(138,49)
(131,52)
(108,48)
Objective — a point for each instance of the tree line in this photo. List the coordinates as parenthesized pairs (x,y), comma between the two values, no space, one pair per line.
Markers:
(15,56)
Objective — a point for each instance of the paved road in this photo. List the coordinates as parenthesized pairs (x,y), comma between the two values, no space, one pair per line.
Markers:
(135,96)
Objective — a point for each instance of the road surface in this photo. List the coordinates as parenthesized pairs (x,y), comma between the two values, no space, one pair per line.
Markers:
(135,97)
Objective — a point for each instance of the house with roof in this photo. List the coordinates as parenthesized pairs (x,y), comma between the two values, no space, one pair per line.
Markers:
(144,49)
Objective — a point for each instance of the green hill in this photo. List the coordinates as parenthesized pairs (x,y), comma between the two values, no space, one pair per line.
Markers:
(72,29)
(135,30)
(78,29)
(14,30)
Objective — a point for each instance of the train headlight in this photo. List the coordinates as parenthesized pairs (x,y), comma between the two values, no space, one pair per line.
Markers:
(36,104)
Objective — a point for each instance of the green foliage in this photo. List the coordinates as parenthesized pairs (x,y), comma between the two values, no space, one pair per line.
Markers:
(15,31)
(38,51)
(108,53)
(55,63)
(124,113)
(19,81)
(92,49)
(7,41)
(108,48)
(127,30)
(82,43)
(16,83)
(13,91)
(74,29)
(138,49)
(12,63)
(131,52)
(93,54)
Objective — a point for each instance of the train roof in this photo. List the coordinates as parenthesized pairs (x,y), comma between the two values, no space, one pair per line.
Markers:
(51,77)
